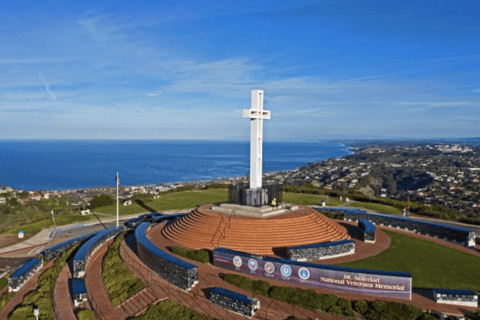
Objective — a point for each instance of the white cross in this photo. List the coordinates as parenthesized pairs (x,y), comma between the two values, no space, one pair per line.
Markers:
(256,115)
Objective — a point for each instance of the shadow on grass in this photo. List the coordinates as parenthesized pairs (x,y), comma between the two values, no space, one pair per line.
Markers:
(144,206)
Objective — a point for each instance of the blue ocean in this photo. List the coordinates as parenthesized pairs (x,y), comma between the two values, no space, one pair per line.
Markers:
(72,164)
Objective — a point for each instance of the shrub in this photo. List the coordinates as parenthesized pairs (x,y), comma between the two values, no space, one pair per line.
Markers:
(348,312)
(427,316)
(286,294)
(361,307)
(474,316)
(335,310)
(344,303)
(197,255)
(378,306)
(327,301)
(261,287)
(239,281)
(85,314)
(101,201)
(3,283)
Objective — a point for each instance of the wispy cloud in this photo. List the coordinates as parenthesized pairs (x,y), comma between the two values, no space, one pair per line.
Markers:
(49,93)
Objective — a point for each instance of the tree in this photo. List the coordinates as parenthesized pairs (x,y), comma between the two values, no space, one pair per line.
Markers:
(13,201)
(101,201)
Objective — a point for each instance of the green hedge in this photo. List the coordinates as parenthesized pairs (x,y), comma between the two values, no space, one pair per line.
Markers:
(3,283)
(120,282)
(85,314)
(310,299)
(170,310)
(197,255)
(42,296)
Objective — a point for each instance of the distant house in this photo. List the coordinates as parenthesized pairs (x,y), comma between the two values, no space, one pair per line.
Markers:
(35,196)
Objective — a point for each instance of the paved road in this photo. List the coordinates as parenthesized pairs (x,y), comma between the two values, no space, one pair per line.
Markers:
(32,246)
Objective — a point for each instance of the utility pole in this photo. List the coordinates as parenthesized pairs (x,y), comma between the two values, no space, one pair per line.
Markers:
(118,183)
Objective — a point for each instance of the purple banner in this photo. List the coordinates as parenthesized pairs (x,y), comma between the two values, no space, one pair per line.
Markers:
(379,285)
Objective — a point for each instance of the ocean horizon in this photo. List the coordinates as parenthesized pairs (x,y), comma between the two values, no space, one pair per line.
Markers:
(80,164)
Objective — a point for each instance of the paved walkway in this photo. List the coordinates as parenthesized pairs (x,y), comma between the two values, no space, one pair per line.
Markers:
(62,298)
(29,286)
(97,293)
(420,298)
(208,279)
(42,239)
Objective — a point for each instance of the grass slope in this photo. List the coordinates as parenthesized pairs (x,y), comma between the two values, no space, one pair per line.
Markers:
(171,201)
(44,222)
(119,281)
(375,207)
(431,265)
(309,199)
(42,296)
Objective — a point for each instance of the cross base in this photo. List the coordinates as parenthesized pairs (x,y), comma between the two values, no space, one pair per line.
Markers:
(256,197)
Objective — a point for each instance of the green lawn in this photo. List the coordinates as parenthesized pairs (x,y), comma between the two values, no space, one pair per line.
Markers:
(375,207)
(309,199)
(431,265)
(37,226)
(171,201)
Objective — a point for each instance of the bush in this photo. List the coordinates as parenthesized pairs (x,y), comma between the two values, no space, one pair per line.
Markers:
(3,283)
(474,316)
(239,281)
(101,201)
(197,255)
(344,303)
(427,316)
(327,301)
(361,306)
(335,310)
(261,287)
(378,306)
(85,314)
(393,311)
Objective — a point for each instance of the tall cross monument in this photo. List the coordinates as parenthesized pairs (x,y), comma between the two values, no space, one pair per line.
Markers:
(256,115)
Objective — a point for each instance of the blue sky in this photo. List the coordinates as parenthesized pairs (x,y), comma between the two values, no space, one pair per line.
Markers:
(184,69)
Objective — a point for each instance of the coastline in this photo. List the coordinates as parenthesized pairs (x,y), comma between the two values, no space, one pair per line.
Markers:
(218,165)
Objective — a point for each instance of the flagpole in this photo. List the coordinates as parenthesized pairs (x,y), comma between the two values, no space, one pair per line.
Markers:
(53,218)
(118,182)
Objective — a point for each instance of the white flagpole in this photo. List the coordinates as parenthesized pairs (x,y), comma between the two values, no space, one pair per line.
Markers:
(53,218)
(118,182)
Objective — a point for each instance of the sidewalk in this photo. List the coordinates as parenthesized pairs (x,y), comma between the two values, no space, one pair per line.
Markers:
(42,239)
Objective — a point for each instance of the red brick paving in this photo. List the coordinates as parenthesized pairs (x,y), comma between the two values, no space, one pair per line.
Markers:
(61,296)
(29,286)
(209,278)
(418,299)
(97,293)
